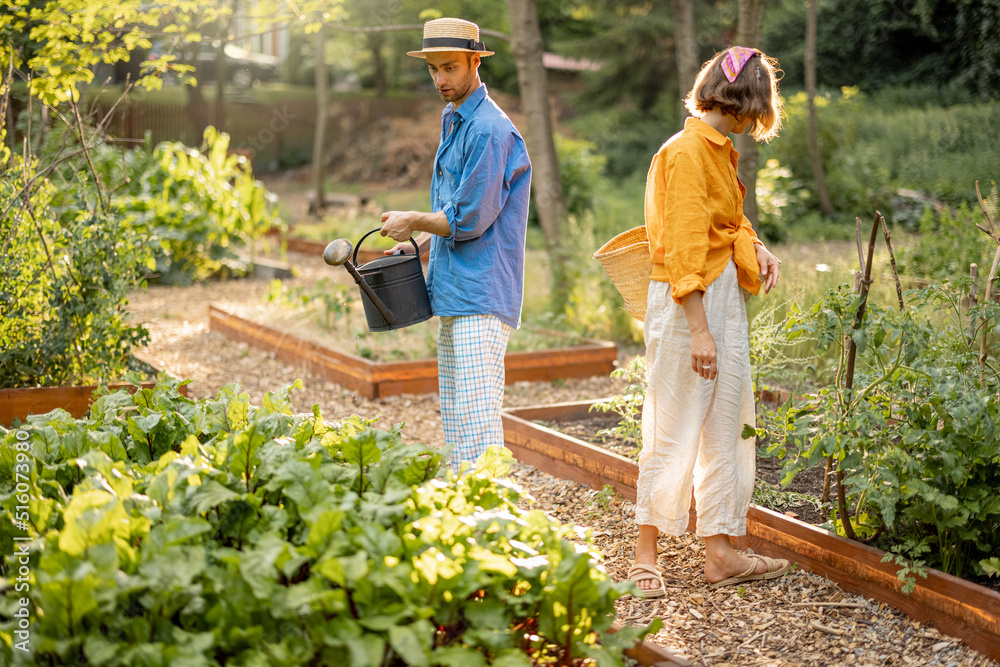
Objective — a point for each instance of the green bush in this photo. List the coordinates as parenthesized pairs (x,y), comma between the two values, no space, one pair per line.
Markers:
(914,436)
(947,244)
(167,531)
(68,264)
(871,150)
(194,206)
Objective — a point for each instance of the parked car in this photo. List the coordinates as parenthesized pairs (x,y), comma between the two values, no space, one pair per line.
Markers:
(243,68)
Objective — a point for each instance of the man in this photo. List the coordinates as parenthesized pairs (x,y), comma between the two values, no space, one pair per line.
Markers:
(476,232)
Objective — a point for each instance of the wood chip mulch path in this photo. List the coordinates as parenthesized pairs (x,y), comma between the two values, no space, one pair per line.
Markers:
(801,619)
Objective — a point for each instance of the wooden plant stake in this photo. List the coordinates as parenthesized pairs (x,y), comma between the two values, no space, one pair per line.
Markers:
(992,233)
(973,301)
(892,260)
(852,352)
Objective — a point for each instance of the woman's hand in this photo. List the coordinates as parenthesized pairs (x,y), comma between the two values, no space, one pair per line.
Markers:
(770,267)
(703,355)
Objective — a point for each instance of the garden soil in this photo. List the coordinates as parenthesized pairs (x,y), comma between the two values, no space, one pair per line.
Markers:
(778,623)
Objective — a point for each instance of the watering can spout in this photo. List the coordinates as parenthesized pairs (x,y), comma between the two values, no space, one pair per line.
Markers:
(393,291)
(337,253)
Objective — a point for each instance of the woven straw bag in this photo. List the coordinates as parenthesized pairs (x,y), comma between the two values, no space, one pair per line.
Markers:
(626,259)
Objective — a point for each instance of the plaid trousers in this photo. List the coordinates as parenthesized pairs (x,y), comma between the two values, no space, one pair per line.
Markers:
(470,351)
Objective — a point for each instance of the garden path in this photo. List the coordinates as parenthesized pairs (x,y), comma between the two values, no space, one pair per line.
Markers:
(776,623)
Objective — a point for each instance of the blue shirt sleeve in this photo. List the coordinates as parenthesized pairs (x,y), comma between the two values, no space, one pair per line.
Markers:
(482,190)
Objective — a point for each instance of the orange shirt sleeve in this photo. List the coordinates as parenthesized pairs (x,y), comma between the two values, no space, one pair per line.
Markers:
(686,219)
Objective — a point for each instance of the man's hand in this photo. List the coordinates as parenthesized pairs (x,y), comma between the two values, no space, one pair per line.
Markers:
(402,248)
(398,225)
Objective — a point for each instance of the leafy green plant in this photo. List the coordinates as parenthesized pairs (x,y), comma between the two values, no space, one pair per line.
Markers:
(628,404)
(193,205)
(948,243)
(164,530)
(68,264)
(913,440)
(771,496)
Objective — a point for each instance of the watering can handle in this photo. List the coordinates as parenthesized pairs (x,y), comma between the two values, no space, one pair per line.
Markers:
(354,259)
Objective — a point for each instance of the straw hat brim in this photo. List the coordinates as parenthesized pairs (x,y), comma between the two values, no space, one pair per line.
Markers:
(450,34)
(444,49)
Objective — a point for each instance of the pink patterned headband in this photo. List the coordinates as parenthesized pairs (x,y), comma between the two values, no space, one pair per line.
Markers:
(735,59)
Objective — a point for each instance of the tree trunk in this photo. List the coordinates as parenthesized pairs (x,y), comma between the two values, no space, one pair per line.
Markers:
(221,74)
(814,155)
(750,33)
(686,47)
(526,47)
(375,43)
(319,136)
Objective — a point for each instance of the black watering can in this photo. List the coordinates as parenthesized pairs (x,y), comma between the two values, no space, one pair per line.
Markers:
(393,290)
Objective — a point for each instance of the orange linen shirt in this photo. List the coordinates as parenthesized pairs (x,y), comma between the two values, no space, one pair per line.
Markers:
(694,212)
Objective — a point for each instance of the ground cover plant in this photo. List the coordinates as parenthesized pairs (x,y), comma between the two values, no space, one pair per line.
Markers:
(165,531)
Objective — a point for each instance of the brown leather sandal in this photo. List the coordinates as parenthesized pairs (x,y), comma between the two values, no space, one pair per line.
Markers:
(639,572)
(776,567)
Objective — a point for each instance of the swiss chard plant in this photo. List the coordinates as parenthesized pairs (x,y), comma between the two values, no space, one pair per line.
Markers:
(159,530)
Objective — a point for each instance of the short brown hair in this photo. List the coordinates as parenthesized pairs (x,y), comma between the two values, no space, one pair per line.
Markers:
(754,94)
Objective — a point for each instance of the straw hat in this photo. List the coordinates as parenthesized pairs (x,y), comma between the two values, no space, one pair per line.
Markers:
(627,261)
(450,35)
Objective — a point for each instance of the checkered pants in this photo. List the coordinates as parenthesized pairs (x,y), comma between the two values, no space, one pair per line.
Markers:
(470,351)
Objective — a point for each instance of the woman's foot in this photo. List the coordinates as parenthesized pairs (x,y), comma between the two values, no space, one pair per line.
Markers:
(643,572)
(725,564)
(647,579)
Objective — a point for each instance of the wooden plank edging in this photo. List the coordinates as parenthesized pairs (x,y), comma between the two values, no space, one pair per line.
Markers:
(374,379)
(955,606)
(76,400)
(651,654)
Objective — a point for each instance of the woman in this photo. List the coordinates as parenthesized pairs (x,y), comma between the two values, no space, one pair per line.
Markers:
(697,351)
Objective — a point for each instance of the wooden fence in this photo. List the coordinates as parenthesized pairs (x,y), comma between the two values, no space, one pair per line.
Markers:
(276,135)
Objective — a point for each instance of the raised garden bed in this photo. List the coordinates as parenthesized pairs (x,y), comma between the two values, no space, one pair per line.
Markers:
(76,400)
(957,607)
(376,379)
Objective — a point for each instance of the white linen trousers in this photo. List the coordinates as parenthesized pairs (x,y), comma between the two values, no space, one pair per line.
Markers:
(691,427)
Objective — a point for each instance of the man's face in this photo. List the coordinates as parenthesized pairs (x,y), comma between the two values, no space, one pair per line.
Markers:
(454,74)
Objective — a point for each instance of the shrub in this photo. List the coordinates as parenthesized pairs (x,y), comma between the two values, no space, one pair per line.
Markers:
(165,530)
(193,205)
(68,264)
(947,244)
(871,149)
(913,438)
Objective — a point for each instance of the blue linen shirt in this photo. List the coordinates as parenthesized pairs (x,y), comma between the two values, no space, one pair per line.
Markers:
(482,178)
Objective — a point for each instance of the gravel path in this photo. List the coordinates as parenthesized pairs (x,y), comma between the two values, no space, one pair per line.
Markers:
(777,623)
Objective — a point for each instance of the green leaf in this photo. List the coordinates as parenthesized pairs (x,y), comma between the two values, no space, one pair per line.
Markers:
(494,462)
(407,646)
(366,650)
(91,518)
(208,495)
(457,656)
